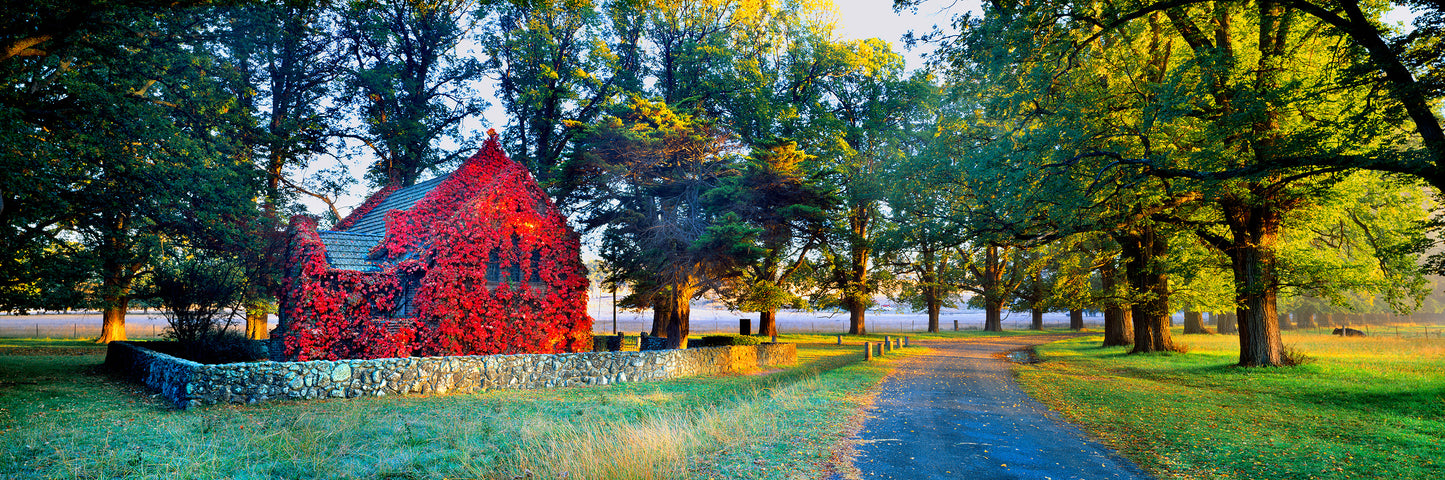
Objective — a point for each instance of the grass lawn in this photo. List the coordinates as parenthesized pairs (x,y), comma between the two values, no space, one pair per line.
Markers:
(61,418)
(1363,408)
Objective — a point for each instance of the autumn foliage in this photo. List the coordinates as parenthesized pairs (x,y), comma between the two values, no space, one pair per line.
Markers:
(483,264)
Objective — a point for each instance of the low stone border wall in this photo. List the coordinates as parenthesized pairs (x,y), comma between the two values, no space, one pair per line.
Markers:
(186,383)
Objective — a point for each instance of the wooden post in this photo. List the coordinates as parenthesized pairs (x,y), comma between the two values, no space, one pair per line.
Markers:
(775,339)
(887,344)
(745,326)
(840,340)
(905,341)
(868,350)
(955,325)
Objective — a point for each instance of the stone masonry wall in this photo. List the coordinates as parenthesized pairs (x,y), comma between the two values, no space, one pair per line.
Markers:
(186,383)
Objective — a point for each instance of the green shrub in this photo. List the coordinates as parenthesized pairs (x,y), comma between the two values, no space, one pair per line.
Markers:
(227,346)
(725,340)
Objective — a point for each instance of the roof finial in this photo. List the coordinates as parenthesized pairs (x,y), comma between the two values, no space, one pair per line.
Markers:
(492,132)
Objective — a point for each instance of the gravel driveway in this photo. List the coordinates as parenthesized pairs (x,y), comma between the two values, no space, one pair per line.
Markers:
(957,413)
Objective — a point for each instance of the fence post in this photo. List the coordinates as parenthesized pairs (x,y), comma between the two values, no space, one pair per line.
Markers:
(955,325)
(868,351)
(905,341)
(840,340)
(887,344)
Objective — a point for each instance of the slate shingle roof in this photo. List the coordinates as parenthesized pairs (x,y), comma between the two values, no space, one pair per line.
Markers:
(348,250)
(374,222)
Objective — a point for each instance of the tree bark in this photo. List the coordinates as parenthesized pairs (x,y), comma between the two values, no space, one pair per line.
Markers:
(113,318)
(934,311)
(1143,253)
(1036,319)
(930,289)
(768,323)
(662,311)
(1118,329)
(257,319)
(992,288)
(116,281)
(1255,226)
(1285,322)
(992,315)
(1193,322)
(1225,323)
(1305,318)
(678,330)
(856,290)
(1076,319)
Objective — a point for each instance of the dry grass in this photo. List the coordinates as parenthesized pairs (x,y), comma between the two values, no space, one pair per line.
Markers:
(61,419)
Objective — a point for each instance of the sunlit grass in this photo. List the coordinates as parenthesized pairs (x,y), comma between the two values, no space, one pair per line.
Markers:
(61,419)
(1363,407)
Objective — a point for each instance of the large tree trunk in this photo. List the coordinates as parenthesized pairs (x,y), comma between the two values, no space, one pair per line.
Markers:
(678,329)
(1193,322)
(1226,323)
(1144,253)
(1285,322)
(993,290)
(856,321)
(931,299)
(934,310)
(1118,328)
(1255,226)
(1036,311)
(1305,318)
(116,281)
(1076,319)
(113,328)
(662,312)
(768,323)
(257,319)
(992,315)
(856,292)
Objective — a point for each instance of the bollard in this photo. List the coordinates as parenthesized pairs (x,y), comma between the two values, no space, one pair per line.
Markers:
(840,340)
(745,326)
(867,350)
(775,339)
(905,341)
(887,344)
(955,325)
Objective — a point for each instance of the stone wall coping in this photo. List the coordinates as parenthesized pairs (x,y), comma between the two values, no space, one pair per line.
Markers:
(186,383)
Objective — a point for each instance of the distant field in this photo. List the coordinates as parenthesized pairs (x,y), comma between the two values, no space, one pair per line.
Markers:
(1363,408)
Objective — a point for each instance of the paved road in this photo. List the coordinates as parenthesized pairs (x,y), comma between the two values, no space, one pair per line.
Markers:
(958,414)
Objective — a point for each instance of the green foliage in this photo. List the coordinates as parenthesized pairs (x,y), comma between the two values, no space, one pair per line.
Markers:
(409,85)
(128,132)
(725,340)
(201,296)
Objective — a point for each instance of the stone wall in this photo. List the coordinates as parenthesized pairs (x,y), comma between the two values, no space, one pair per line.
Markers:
(186,383)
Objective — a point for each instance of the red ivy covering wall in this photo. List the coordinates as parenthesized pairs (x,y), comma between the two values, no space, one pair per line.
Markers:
(491,264)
